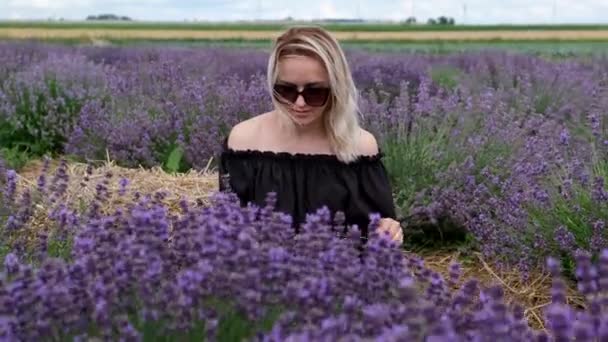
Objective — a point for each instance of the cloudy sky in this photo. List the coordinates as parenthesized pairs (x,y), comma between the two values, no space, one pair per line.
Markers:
(463,11)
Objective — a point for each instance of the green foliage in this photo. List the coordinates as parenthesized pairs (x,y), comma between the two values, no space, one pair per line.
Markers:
(487,156)
(576,213)
(174,160)
(446,77)
(600,168)
(232,325)
(60,248)
(15,157)
(171,155)
(416,160)
(542,103)
(29,129)
(235,326)
(4,250)
(413,161)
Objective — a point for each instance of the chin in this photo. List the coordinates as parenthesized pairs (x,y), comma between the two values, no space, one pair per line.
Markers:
(306,120)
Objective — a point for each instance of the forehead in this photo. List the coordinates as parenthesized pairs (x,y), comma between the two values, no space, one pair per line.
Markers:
(301,70)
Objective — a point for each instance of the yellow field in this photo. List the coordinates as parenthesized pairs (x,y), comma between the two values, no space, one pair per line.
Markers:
(42,33)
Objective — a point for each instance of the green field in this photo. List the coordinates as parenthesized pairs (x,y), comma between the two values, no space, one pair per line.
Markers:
(544,40)
(255,26)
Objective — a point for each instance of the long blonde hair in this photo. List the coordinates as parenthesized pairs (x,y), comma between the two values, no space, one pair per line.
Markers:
(341,117)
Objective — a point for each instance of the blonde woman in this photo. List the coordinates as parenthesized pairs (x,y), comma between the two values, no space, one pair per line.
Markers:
(310,149)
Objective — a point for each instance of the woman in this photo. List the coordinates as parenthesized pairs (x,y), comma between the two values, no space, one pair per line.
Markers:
(310,149)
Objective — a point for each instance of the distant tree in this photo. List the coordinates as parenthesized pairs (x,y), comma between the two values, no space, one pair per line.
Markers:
(442,20)
(108,17)
(410,20)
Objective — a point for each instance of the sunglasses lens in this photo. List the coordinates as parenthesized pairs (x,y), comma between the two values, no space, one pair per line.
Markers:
(288,93)
(316,96)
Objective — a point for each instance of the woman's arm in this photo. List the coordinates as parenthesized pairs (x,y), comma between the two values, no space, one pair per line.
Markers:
(369,146)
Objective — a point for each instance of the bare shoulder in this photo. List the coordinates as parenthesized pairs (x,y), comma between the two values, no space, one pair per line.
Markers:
(244,134)
(367,143)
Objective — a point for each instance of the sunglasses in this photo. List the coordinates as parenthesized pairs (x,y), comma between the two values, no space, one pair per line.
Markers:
(314,96)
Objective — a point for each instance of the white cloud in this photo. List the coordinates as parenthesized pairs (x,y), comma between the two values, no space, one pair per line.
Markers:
(45,4)
(284,13)
(15,16)
(49,4)
(478,11)
(328,9)
(406,7)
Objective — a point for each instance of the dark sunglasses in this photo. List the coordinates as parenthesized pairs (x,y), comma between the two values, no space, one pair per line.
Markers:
(314,96)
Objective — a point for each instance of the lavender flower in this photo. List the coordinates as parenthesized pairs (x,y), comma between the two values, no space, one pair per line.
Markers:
(487,154)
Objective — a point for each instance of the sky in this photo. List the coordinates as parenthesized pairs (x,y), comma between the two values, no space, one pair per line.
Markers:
(463,11)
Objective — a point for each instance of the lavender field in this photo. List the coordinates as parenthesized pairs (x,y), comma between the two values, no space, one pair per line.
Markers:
(510,148)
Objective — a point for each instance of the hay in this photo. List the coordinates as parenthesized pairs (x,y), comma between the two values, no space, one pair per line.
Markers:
(533,294)
(193,187)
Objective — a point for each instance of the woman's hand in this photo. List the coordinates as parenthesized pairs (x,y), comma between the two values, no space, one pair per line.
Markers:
(395,232)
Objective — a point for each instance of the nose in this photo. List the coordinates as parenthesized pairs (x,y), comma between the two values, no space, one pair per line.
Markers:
(300,101)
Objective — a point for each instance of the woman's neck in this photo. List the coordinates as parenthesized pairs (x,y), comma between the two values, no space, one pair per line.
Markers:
(314,130)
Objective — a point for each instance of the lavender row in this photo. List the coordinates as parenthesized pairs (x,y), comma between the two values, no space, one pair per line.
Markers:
(223,272)
(511,147)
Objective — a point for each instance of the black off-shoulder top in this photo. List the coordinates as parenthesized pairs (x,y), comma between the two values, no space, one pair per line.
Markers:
(304,183)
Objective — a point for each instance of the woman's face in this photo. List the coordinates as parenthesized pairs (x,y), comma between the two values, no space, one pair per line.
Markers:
(303,73)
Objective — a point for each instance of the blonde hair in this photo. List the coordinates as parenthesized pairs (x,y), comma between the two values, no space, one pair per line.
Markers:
(341,117)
